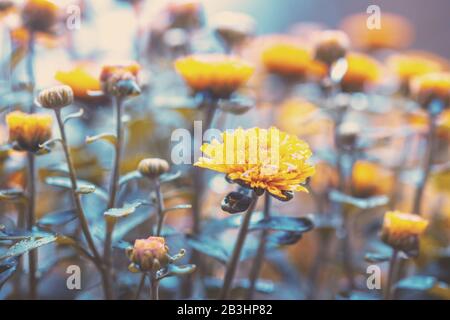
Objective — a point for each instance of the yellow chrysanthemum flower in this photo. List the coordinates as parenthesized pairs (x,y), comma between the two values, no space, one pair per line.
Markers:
(409,65)
(362,71)
(217,74)
(261,159)
(28,131)
(81,79)
(402,230)
(370,179)
(431,86)
(395,32)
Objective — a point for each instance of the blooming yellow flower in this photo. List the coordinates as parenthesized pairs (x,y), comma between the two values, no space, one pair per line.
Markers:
(402,230)
(370,179)
(261,159)
(28,131)
(396,32)
(411,64)
(362,71)
(81,79)
(218,74)
(431,86)
(146,252)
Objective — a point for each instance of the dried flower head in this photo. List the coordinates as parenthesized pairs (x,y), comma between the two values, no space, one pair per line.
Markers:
(432,86)
(121,80)
(234,27)
(402,230)
(153,168)
(362,71)
(263,160)
(40,15)
(149,254)
(331,46)
(28,131)
(216,74)
(185,14)
(56,97)
(395,32)
(81,80)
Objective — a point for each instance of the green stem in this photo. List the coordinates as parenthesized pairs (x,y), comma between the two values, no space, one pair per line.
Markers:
(233,263)
(80,212)
(259,259)
(141,286)
(391,275)
(118,154)
(418,197)
(31,221)
(154,294)
(160,207)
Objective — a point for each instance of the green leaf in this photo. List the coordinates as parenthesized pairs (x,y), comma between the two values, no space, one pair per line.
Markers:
(174,270)
(49,144)
(108,137)
(126,210)
(279,223)
(74,115)
(24,246)
(64,182)
(133,175)
(7,270)
(419,283)
(12,195)
(86,189)
(168,177)
(360,203)
(58,218)
(209,247)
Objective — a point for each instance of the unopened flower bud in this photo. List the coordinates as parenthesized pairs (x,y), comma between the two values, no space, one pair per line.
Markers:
(149,254)
(56,97)
(153,168)
(40,15)
(402,230)
(121,80)
(236,202)
(332,45)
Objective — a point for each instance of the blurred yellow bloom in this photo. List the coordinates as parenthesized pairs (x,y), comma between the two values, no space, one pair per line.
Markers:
(362,71)
(370,179)
(261,159)
(218,74)
(81,79)
(28,131)
(402,230)
(431,86)
(395,33)
(290,59)
(300,118)
(408,65)
(419,120)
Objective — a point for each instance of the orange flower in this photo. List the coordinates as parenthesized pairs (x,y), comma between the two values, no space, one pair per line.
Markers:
(395,32)
(217,74)
(362,71)
(121,79)
(28,131)
(40,15)
(81,79)
(402,230)
(410,64)
(369,179)
(431,86)
(419,120)
(148,254)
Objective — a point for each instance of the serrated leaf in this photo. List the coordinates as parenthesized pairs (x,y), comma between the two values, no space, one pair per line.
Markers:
(208,247)
(64,182)
(7,270)
(24,246)
(108,137)
(58,218)
(360,203)
(74,115)
(126,210)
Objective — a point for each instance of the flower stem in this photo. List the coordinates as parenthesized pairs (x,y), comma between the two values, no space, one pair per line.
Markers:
(259,259)
(232,265)
(418,197)
(141,286)
(31,221)
(391,275)
(77,200)
(118,154)
(160,208)
(30,64)
(154,294)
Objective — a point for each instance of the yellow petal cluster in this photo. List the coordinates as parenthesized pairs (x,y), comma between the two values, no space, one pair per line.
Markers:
(261,159)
